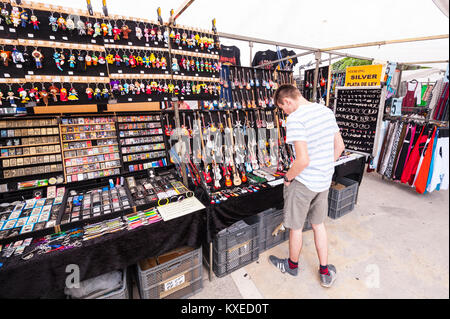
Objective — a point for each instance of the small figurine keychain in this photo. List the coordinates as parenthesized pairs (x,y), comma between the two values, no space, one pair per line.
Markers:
(89,29)
(53,22)
(90,93)
(70,24)
(175,66)
(110,58)
(34,21)
(105,93)
(94,58)
(139,60)
(54,92)
(117,59)
(61,23)
(104,28)
(5,14)
(125,31)
(81,62)
(146,61)
(24,19)
(160,35)
(23,95)
(63,97)
(81,26)
(97,29)
(58,60)
(73,94)
(11,98)
(139,34)
(15,16)
(72,60)
(97,93)
(146,34)
(184,39)
(153,34)
(110,28)
(17,56)
(101,60)
(43,94)
(34,94)
(163,63)
(126,60)
(116,32)
(132,61)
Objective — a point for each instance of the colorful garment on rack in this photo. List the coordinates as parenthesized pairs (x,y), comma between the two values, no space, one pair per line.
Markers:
(421,179)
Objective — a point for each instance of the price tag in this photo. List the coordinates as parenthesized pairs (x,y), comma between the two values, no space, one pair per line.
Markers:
(30,72)
(102,74)
(165,99)
(156,43)
(65,38)
(119,71)
(182,74)
(196,50)
(147,45)
(2,28)
(12,30)
(180,48)
(130,99)
(149,100)
(196,74)
(19,66)
(130,43)
(70,72)
(52,37)
(142,72)
(30,35)
(93,41)
(167,72)
(174,283)
(6,75)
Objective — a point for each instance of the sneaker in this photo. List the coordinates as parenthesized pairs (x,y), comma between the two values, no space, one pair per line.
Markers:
(283,265)
(328,280)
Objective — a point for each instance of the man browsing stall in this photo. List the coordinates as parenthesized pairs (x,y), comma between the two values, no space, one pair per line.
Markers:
(312,130)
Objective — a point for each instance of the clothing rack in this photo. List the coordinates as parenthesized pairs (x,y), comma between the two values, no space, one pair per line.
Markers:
(408,119)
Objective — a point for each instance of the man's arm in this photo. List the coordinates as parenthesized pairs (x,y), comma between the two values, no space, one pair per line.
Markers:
(301,160)
(339,146)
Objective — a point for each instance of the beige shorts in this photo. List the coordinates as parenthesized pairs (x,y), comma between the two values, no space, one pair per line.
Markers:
(300,203)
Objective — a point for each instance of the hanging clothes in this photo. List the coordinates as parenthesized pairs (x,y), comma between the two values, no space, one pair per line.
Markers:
(421,179)
(388,149)
(410,169)
(395,143)
(404,152)
(409,101)
(374,162)
(440,174)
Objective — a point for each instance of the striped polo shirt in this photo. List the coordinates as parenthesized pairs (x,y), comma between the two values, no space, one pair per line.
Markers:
(316,125)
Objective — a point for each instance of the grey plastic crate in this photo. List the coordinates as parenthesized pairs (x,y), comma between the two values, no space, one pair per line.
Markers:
(235,247)
(178,278)
(122,293)
(341,202)
(269,221)
(116,293)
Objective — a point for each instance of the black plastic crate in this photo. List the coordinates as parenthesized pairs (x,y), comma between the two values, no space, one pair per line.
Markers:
(178,278)
(341,202)
(235,247)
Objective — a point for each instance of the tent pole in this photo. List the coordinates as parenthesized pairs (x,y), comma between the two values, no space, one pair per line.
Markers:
(329,80)
(316,76)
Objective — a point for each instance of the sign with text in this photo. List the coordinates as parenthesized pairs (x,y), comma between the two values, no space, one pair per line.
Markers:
(366,75)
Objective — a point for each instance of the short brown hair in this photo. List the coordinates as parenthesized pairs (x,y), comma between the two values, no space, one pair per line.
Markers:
(286,91)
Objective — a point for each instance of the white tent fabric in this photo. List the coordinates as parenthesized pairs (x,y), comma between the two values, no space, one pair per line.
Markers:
(442,5)
(423,75)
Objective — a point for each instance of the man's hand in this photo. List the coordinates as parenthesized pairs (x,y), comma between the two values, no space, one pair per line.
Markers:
(287,183)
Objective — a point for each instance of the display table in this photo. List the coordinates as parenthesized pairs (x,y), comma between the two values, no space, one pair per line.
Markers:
(46,273)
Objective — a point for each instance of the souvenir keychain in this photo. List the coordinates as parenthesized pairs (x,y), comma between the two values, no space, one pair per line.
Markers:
(104,28)
(97,29)
(70,24)
(89,29)
(6,16)
(125,31)
(146,33)
(17,56)
(117,59)
(58,60)
(24,18)
(73,94)
(15,16)
(54,91)
(94,59)
(101,60)
(126,59)
(160,35)
(63,94)
(116,31)
(81,63)
(53,22)
(138,31)
(88,60)
(110,58)
(23,95)
(61,23)
(139,59)
(105,92)
(34,21)
(163,63)
(97,93)
(132,60)
(11,97)
(72,60)
(43,94)
(153,34)
(33,93)
(175,66)
(81,26)
(89,92)
(146,61)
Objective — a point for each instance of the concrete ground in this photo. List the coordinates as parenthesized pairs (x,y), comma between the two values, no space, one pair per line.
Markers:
(394,244)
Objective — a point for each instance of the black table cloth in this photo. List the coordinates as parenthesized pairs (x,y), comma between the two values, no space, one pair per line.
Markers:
(44,274)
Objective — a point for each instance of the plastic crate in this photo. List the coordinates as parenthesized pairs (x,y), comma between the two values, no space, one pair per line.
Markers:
(269,221)
(178,278)
(235,247)
(120,293)
(341,202)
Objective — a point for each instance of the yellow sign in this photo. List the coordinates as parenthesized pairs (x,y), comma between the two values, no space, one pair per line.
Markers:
(366,75)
